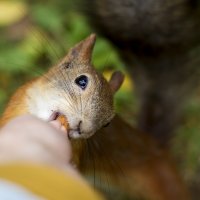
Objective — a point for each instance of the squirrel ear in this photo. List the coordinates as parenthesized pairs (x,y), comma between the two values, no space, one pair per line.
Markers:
(82,52)
(116,81)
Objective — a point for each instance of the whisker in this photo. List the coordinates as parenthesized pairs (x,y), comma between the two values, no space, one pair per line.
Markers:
(73,92)
(94,166)
(67,89)
(96,83)
(81,103)
(103,168)
(44,39)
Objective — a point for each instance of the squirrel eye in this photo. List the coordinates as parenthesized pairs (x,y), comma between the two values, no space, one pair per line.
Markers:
(82,81)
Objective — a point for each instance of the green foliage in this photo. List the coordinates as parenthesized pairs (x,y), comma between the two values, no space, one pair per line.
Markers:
(188,137)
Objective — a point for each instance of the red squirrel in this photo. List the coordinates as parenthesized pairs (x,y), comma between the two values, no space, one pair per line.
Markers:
(74,90)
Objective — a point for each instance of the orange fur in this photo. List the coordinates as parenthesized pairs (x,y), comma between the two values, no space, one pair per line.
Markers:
(17,104)
(63,121)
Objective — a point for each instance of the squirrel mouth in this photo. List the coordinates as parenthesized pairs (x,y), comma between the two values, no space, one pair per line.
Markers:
(61,118)
(54,116)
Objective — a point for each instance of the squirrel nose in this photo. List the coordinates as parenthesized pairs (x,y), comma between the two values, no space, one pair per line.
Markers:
(79,127)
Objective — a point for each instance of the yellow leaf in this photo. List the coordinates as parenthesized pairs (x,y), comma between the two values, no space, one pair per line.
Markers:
(127,84)
(11,12)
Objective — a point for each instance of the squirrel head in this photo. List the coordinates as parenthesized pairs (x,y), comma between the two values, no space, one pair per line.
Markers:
(76,90)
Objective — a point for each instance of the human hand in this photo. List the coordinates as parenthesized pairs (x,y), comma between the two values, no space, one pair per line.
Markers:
(30,139)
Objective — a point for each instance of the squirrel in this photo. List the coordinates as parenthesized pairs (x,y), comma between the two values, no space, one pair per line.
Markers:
(72,92)
(76,94)
(158,41)
(73,89)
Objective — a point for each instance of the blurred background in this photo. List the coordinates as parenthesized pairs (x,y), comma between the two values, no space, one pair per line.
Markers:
(34,35)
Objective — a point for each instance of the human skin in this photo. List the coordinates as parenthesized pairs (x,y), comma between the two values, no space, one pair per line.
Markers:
(29,139)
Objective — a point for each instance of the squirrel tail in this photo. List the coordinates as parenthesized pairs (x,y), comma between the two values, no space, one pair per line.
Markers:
(159,48)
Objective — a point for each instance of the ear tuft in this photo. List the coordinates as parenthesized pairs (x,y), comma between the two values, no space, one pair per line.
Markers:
(82,52)
(116,81)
